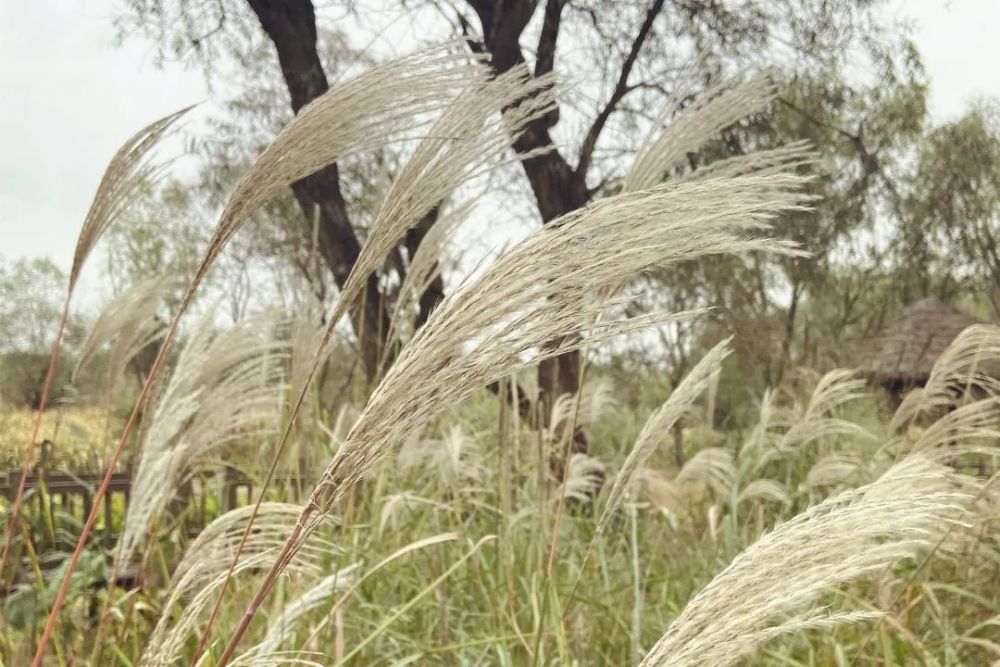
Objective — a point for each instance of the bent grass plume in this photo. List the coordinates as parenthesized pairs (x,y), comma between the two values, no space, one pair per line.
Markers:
(653,432)
(224,385)
(714,110)
(129,168)
(205,565)
(542,290)
(381,105)
(467,140)
(899,516)
(129,323)
(968,362)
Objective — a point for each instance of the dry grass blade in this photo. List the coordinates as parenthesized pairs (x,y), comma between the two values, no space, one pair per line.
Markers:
(544,290)
(969,363)
(658,427)
(225,385)
(276,659)
(713,111)
(128,170)
(899,516)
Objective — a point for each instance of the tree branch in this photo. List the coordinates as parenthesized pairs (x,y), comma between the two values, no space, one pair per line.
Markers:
(621,89)
(546,57)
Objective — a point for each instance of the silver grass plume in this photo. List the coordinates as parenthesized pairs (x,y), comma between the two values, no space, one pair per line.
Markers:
(658,426)
(711,469)
(584,477)
(466,141)
(385,104)
(455,458)
(129,322)
(903,514)
(832,470)
(128,170)
(958,431)
(969,362)
(759,163)
(543,290)
(225,385)
(711,112)
(712,466)
(582,409)
(761,436)
(815,422)
(765,489)
(380,106)
(204,566)
(305,335)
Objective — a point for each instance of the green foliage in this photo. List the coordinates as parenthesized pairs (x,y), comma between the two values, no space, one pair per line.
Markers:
(31,294)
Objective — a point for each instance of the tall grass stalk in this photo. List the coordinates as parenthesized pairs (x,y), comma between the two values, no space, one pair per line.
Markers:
(540,291)
(406,607)
(383,104)
(128,170)
(463,143)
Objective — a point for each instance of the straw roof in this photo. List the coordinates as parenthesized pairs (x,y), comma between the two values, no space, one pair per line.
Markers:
(905,350)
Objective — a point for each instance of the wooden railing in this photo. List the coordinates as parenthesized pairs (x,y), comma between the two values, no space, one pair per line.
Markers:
(70,496)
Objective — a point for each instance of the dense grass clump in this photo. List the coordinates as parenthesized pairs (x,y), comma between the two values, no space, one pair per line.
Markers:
(450,516)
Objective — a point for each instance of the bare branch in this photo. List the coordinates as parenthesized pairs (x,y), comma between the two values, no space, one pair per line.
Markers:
(621,88)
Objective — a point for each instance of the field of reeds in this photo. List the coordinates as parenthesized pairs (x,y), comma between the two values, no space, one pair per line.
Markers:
(448,516)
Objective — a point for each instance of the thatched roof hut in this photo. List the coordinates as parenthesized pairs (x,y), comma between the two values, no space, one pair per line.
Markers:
(902,354)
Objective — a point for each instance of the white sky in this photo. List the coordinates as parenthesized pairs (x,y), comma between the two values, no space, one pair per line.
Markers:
(69,96)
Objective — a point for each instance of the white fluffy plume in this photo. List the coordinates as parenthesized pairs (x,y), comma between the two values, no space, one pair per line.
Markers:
(903,514)
(225,385)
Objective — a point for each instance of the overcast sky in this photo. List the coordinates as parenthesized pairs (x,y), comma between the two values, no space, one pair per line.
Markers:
(69,96)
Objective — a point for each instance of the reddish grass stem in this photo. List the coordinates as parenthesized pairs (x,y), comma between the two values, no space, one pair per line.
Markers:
(102,489)
(29,458)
